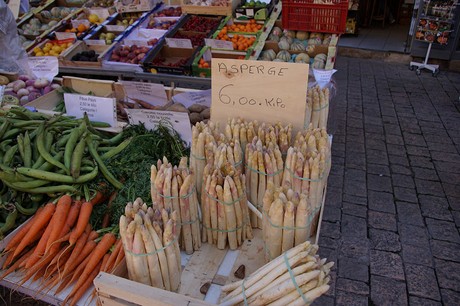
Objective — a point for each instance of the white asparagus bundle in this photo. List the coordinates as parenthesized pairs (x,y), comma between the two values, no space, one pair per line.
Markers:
(225,212)
(173,188)
(277,133)
(264,166)
(151,245)
(241,130)
(202,135)
(288,220)
(275,282)
(317,110)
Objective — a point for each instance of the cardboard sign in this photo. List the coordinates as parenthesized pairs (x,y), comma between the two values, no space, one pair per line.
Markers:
(189,98)
(97,108)
(93,42)
(152,93)
(44,66)
(65,35)
(259,90)
(180,122)
(219,44)
(179,43)
(114,28)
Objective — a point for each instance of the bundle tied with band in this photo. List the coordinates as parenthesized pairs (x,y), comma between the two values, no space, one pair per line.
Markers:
(150,241)
(317,110)
(173,189)
(296,277)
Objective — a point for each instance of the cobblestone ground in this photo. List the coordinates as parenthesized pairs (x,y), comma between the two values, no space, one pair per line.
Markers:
(392,215)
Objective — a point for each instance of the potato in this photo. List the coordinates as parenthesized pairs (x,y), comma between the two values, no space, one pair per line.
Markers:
(195,117)
(206,113)
(197,108)
(178,107)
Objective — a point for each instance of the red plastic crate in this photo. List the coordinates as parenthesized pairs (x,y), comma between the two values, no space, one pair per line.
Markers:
(304,15)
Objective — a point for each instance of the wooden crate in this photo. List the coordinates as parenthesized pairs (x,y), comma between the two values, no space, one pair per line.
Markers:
(228,10)
(65,60)
(208,264)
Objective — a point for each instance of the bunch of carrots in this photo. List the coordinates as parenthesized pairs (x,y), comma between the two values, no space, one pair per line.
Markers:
(58,247)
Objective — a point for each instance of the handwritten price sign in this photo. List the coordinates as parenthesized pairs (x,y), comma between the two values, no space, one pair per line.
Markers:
(259,90)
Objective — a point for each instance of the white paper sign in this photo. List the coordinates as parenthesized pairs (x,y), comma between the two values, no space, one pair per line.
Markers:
(151,33)
(219,44)
(179,43)
(180,122)
(207,55)
(323,77)
(103,13)
(115,28)
(77,22)
(137,42)
(152,93)
(65,35)
(194,97)
(44,66)
(97,108)
(92,42)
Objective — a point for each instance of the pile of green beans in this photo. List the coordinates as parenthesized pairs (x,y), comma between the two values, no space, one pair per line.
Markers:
(44,156)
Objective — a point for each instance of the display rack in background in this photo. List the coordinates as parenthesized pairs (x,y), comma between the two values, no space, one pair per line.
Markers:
(434,26)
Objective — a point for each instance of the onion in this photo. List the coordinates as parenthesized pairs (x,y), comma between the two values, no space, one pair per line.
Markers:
(33,95)
(24,100)
(24,77)
(30,83)
(22,92)
(41,83)
(18,84)
(47,89)
(32,89)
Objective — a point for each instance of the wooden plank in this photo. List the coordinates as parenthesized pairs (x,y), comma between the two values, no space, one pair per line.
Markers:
(140,294)
(201,268)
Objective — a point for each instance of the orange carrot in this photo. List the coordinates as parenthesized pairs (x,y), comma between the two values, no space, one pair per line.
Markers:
(68,280)
(22,231)
(40,222)
(88,281)
(113,256)
(79,245)
(37,267)
(106,219)
(59,219)
(16,265)
(93,235)
(96,256)
(120,256)
(57,264)
(98,198)
(40,248)
(83,219)
(71,218)
(70,266)
(104,260)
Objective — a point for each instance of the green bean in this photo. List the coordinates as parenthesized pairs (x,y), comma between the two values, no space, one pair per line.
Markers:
(47,189)
(55,177)
(109,176)
(27,123)
(9,154)
(31,184)
(46,166)
(63,140)
(117,149)
(104,149)
(3,128)
(11,133)
(36,198)
(100,124)
(77,157)
(46,155)
(70,146)
(27,150)
(20,142)
(4,144)
(87,162)
(27,114)
(114,140)
(27,211)
(10,222)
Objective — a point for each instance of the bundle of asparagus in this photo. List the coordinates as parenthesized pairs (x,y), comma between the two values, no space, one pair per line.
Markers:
(297,277)
(241,130)
(288,220)
(317,110)
(173,188)
(278,134)
(202,135)
(264,164)
(150,243)
(224,207)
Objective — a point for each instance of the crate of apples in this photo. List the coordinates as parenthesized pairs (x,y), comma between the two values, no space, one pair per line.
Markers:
(129,54)
(169,12)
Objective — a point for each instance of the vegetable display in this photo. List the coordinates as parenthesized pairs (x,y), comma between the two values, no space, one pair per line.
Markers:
(317,110)
(151,245)
(59,246)
(25,90)
(173,189)
(297,277)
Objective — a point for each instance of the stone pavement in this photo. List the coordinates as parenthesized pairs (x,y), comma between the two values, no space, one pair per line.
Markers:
(392,215)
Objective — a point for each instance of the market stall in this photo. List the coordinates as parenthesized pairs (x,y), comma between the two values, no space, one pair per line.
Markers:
(172,150)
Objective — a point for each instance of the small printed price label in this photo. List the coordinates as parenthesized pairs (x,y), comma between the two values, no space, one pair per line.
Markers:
(180,122)
(323,77)
(77,22)
(152,93)
(114,28)
(97,108)
(93,42)
(137,42)
(65,35)
(189,98)
(179,43)
(219,44)
(44,66)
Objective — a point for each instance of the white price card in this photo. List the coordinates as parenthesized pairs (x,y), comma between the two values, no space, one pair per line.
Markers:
(137,42)
(93,42)
(179,43)
(323,77)
(97,108)
(189,98)
(219,44)
(65,35)
(44,66)
(180,122)
(154,94)
(114,28)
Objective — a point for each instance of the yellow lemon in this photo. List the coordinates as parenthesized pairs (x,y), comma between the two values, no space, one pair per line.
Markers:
(49,45)
(54,53)
(93,18)
(46,49)
(37,49)
(56,48)
(39,53)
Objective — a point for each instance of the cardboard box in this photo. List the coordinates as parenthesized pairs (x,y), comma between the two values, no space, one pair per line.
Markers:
(257,13)
(189,8)
(207,54)
(80,46)
(170,57)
